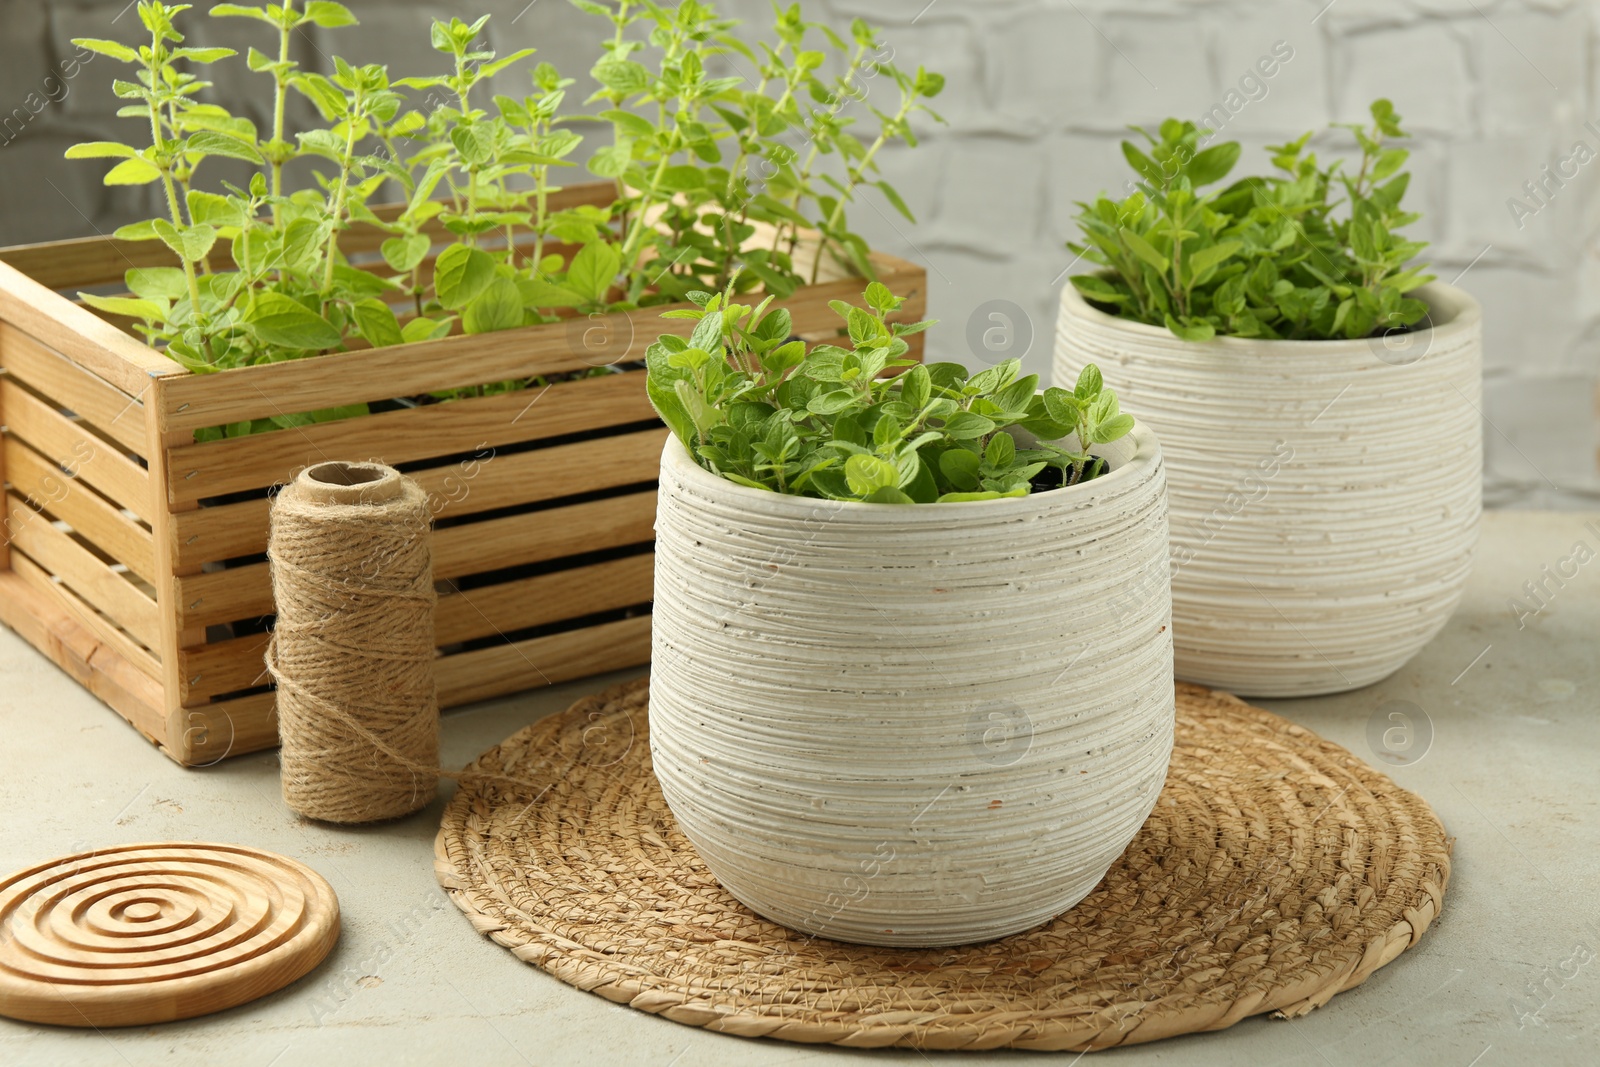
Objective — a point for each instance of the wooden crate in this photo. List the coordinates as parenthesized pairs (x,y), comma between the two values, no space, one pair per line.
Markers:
(133,555)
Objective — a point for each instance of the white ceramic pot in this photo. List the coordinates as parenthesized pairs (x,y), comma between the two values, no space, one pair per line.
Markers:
(912,725)
(1325,494)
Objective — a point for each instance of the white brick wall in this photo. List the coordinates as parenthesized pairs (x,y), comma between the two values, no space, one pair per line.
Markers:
(1039,94)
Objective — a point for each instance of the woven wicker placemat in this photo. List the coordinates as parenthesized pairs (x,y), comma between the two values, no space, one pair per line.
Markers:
(1276,870)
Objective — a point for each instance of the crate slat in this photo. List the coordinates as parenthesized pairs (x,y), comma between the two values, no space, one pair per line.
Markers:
(105,407)
(208,535)
(216,597)
(348,377)
(260,460)
(110,593)
(94,345)
(77,448)
(501,669)
(222,667)
(45,485)
(208,734)
(229,531)
(48,618)
(545,599)
(86,262)
(540,536)
(125,648)
(533,477)
(537,537)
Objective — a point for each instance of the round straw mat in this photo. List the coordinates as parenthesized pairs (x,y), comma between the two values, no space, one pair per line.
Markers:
(1276,870)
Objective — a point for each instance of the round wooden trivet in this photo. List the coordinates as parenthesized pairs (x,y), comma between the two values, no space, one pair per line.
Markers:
(1276,870)
(148,933)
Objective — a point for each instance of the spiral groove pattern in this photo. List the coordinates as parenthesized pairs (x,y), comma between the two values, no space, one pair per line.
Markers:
(148,933)
(912,725)
(1325,495)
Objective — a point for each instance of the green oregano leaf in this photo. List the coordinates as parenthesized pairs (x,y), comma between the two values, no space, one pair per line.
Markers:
(377,323)
(279,320)
(114,49)
(461,273)
(327,14)
(498,307)
(157,283)
(191,243)
(121,305)
(101,150)
(133,172)
(594,270)
(867,474)
(405,253)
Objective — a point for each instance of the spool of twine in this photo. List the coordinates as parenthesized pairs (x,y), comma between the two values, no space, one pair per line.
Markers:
(353,650)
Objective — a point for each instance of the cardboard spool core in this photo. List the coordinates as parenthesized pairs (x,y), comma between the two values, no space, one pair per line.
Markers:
(350,483)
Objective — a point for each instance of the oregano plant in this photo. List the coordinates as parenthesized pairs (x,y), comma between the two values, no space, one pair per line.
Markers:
(700,158)
(757,407)
(1311,252)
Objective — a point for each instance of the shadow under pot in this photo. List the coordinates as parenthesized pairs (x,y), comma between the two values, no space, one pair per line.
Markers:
(912,725)
(1325,494)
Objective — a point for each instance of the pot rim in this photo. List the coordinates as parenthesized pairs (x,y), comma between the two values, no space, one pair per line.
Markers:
(1458,309)
(1146,455)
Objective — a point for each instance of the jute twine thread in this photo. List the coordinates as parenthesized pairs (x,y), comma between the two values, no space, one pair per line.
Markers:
(353,649)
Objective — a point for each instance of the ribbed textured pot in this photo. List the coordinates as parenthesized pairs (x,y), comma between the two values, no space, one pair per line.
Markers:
(912,725)
(1325,494)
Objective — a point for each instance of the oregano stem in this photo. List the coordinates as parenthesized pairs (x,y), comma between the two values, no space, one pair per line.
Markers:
(635,238)
(463,88)
(541,181)
(280,77)
(161,152)
(341,191)
(857,177)
(836,105)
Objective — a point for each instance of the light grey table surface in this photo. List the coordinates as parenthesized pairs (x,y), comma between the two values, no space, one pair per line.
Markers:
(1507,975)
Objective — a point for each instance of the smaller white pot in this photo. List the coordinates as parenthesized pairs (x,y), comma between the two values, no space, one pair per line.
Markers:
(912,725)
(1325,494)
